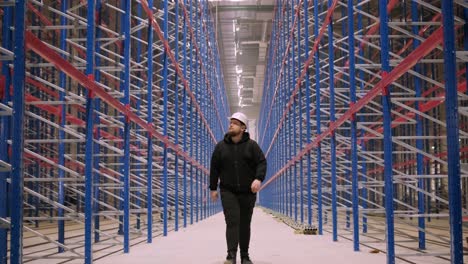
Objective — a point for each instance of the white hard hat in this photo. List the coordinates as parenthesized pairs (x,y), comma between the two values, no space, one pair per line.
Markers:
(241,117)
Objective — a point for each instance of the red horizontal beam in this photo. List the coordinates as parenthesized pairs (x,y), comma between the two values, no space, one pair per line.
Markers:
(46,21)
(423,30)
(425,107)
(56,111)
(412,162)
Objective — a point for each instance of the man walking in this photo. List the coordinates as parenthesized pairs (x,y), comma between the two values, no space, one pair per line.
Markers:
(240,166)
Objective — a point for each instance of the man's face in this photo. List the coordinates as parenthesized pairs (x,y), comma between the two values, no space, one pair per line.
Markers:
(235,128)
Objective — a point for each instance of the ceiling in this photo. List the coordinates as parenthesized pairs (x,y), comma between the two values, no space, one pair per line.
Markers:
(243,30)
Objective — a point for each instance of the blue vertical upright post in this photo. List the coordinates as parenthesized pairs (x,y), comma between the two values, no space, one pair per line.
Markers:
(361,119)
(192,181)
(275,117)
(347,173)
(419,134)
(331,59)
(278,81)
(126,26)
(284,89)
(89,148)
(5,130)
(149,195)
(308,121)
(176,120)
(301,164)
(97,134)
(294,117)
(387,119)
(352,93)
(184,96)
(191,107)
(266,98)
(209,64)
(61,132)
(17,176)
(281,137)
(318,121)
(428,165)
(284,176)
(139,83)
(165,114)
(453,148)
(199,92)
(195,114)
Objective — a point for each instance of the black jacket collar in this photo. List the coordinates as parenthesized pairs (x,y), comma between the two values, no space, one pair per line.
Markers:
(245,138)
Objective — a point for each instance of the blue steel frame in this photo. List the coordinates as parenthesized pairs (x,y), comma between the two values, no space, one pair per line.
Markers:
(125,82)
(176,120)
(361,119)
(318,124)
(308,113)
(89,148)
(165,120)
(17,136)
(185,121)
(419,133)
(453,155)
(331,59)
(5,131)
(97,132)
(61,148)
(149,142)
(387,120)
(354,150)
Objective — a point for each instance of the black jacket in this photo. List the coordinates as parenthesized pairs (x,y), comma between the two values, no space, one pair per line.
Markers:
(237,165)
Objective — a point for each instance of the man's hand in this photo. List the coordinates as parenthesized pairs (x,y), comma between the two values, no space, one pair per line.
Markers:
(214,195)
(255,187)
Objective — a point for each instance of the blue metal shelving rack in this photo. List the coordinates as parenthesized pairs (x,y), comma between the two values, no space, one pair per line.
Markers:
(363,120)
(385,139)
(122,105)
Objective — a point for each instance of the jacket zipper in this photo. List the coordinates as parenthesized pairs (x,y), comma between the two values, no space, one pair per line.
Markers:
(236,164)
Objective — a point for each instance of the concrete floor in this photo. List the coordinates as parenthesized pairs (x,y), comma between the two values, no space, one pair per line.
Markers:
(272,242)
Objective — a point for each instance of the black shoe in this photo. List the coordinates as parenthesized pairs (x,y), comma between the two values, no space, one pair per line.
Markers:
(231,258)
(246,260)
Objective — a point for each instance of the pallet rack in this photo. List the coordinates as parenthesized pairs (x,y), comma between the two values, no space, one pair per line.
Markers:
(363,121)
(110,110)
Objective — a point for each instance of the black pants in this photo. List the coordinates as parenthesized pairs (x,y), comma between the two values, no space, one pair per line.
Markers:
(238,210)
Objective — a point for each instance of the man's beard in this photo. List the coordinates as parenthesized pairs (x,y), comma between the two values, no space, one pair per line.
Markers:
(233,133)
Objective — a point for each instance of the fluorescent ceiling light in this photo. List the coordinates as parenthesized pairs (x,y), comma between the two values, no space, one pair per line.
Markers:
(238,69)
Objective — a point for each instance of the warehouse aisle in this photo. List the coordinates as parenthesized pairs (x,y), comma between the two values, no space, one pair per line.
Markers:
(273,242)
